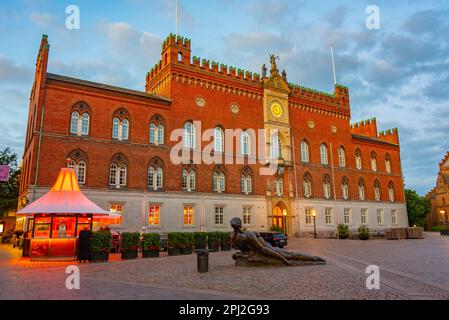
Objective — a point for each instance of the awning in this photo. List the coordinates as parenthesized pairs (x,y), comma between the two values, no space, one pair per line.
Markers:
(64,198)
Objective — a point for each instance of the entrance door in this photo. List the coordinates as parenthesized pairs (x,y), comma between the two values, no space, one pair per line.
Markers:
(279,219)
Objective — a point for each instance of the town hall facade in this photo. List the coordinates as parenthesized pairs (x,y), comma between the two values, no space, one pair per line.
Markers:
(120,143)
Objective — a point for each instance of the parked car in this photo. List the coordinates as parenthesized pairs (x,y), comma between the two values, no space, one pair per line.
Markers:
(276,239)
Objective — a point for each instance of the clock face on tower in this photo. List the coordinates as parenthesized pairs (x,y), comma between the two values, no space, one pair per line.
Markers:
(277,110)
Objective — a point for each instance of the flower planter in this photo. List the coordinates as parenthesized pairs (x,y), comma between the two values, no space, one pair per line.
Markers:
(100,257)
(225,247)
(343,236)
(363,237)
(186,251)
(130,254)
(150,253)
(174,251)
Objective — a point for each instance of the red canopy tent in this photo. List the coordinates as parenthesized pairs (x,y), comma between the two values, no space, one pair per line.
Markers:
(59,216)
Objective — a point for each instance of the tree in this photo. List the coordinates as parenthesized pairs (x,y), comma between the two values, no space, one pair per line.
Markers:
(417,208)
(9,191)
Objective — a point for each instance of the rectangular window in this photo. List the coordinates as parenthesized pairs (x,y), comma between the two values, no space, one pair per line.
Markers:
(394,216)
(347,216)
(188,215)
(42,227)
(364,216)
(309,216)
(328,215)
(154,215)
(380,217)
(246,215)
(63,227)
(219,215)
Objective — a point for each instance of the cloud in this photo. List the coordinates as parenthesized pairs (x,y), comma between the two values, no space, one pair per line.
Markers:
(42,19)
(13,72)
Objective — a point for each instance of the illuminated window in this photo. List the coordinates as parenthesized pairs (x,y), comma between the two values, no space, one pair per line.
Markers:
(219,215)
(305,157)
(247,219)
(188,215)
(154,215)
(117,208)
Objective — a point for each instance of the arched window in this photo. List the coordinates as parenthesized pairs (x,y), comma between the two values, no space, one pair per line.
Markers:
(307,186)
(305,152)
(345,188)
(118,171)
(377,195)
(326,187)
(388,163)
(74,122)
(160,134)
(245,143)
(358,160)
(246,181)
(361,187)
(81,172)
(188,180)
(324,157)
(218,139)
(219,177)
(278,186)
(85,124)
(125,129)
(189,135)
(373,161)
(391,195)
(276,146)
(78,162)
(115,128)
(153,133)
(341,157)
(155,175)
(79,124)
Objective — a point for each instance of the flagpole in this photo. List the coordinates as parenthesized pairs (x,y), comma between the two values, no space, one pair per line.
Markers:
(177,18)
(333,64)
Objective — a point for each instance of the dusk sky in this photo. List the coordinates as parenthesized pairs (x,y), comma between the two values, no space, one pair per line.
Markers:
(398,74)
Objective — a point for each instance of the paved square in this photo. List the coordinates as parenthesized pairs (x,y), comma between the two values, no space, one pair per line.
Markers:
(409,269)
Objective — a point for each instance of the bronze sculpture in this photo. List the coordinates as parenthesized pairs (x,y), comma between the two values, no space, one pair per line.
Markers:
(256,252)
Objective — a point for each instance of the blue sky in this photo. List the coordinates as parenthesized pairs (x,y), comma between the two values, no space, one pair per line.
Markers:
(399,73)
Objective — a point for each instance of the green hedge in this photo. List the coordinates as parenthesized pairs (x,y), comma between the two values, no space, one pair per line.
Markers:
(151,241)
(200,239)
(225,238)
(130,241)
(101,242)
(213,239)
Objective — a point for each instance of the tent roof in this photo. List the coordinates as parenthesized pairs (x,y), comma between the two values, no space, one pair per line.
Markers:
(64,198)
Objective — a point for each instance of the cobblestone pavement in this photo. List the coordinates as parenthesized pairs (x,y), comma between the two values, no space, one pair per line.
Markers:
(409,269)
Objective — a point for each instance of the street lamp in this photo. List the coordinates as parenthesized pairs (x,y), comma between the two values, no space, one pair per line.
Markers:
(284,220)
(314,223)
(443,212)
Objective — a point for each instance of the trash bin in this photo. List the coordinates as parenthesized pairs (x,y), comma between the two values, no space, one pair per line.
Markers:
(202,256)
(26,247)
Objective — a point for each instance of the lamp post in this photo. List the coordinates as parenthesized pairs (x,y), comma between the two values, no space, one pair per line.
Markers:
(443,212)
(284,220)
(314,223)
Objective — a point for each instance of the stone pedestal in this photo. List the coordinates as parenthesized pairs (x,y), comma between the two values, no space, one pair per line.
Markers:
(253,259)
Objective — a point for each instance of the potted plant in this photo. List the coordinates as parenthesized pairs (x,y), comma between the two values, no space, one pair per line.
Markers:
(174,244)
(200,240)
(363,232)
(100,246)
(151,245)
(213,241)
(188,242)
(225,238)
(343,231)
(130,245)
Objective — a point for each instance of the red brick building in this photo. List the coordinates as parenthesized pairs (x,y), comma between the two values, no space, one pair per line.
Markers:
(119,142)
(439,196)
